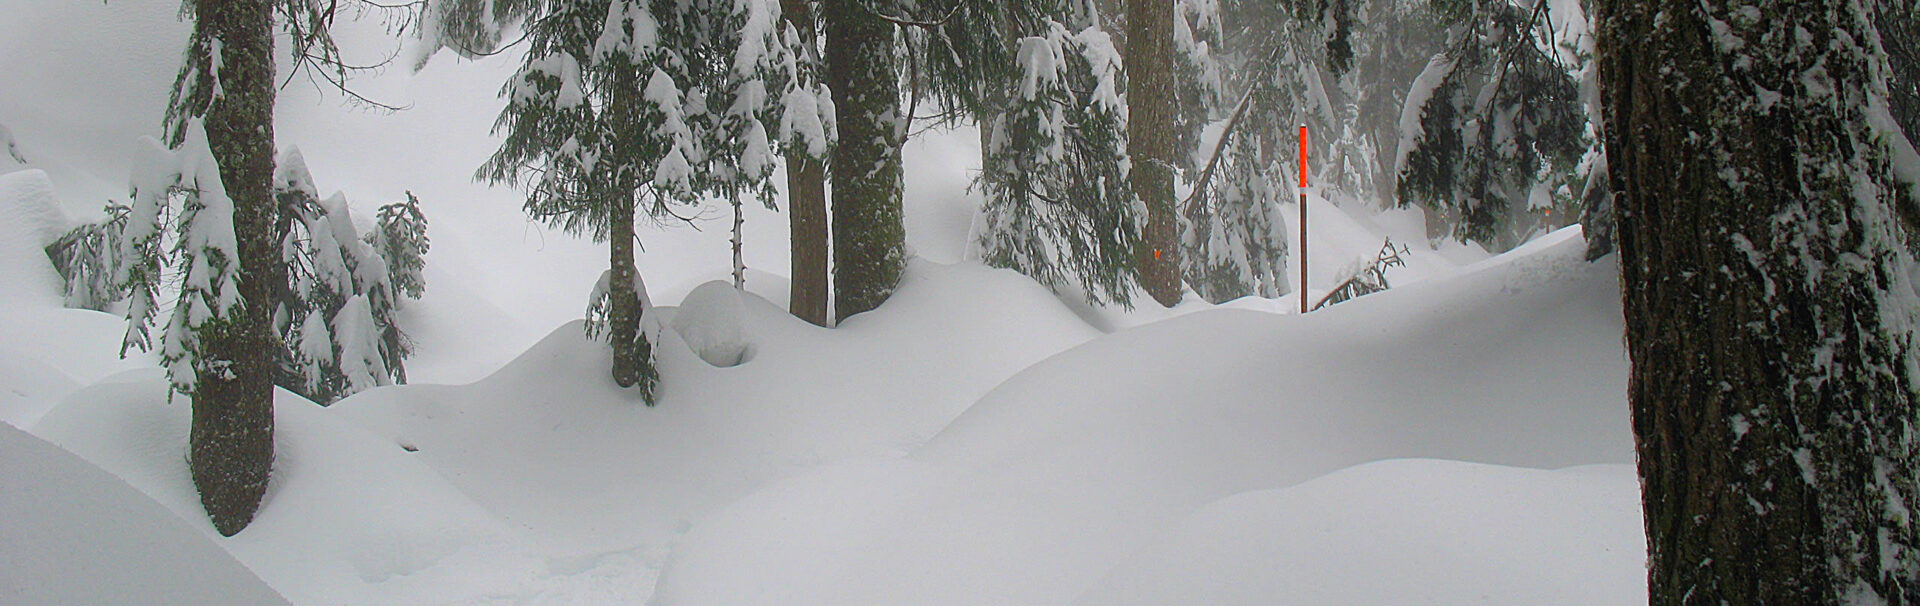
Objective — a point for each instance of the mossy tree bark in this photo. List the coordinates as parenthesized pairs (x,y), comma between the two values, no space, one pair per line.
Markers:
(1769,300)
(231,442)
(869,233)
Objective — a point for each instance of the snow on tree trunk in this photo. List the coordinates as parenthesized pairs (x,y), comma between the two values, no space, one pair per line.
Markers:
(806,173)
(1770,300)
(229,81)
(869,233)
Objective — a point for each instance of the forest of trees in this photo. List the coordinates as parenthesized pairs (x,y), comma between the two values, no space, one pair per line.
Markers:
(1752,164)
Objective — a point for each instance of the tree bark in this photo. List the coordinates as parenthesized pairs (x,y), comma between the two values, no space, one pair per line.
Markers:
(806,204)
(869,235)
(1151,143)
(231,441)
(623,304)
(1768,299)
(807,207)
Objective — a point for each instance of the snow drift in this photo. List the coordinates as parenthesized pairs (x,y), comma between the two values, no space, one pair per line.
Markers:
(1054,478)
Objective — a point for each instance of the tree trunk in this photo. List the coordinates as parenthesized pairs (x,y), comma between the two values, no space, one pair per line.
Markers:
(806,204)
(869,236)
(623,304)
(1769,301)
(1150,143)
(231,444)
(739,259)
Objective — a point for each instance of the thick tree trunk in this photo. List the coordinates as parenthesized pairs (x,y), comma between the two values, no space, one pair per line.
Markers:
(1768,300)
(869,233)
(806,204)
(1151,142)
(807,207)
(231,443)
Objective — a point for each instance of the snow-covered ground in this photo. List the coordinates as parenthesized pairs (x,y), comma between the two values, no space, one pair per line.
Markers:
(1461,438)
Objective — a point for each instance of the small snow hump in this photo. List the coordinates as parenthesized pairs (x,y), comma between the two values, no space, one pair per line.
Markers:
(712,320)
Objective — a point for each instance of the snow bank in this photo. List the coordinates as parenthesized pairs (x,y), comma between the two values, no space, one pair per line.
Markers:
(46,352)
(1052,479)
(30,219)
(551,445)
(712,321)
(350,517)
(73,534)
(1403,532)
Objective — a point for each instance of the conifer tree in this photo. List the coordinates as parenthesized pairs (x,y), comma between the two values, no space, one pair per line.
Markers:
(578,137)
(1493,125)
(1768,266)
(219,343)
(337,311)
(623,106)
(86,258)
(327,266)
(1059,207)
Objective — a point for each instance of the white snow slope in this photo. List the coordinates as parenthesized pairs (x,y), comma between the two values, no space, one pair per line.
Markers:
(73,534)
(1058,475)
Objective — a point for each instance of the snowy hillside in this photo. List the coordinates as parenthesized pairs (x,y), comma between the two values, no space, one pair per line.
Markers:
(1065,470)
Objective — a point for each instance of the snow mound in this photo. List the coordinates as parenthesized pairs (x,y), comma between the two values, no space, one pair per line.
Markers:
(1053,478)
(47,352)
(1403,532)
(712,321)
(30,219)
(31,387)
(551,445)
(73,534)
(350,517)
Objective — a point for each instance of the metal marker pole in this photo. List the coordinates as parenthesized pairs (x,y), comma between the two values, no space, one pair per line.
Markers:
(1303,218)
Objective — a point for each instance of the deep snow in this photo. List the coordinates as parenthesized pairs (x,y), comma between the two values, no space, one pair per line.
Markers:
(71,533)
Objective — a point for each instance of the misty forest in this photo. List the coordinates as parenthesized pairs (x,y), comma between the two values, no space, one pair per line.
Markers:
(686,302)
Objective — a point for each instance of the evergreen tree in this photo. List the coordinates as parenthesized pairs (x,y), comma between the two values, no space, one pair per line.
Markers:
(584,134)
(748,72)
(86,258)
(1769,286)
(625,102)
(219,343)
(1493,126)
(327,265)
(400,237)
(336,313)
(1059,207)
(1234,240)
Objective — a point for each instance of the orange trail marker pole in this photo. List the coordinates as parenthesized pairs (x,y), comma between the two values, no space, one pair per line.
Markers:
(1303,218)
